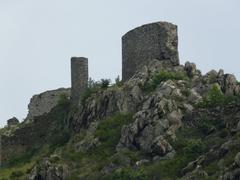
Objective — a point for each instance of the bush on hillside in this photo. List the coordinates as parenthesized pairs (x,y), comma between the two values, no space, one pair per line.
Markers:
(164,76)
(94,87)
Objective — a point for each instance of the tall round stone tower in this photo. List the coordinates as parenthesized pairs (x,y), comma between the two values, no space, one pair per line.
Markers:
(79,78)
(151,41)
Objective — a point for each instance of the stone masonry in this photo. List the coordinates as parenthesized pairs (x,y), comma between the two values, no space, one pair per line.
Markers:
(44,102)
(79,75)
(12,122)
(151,41)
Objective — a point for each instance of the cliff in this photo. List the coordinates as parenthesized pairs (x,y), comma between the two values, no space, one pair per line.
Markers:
(166,121)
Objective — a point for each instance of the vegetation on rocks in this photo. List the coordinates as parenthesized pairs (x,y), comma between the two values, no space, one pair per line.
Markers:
(94,87)
(215,97)
(164,76)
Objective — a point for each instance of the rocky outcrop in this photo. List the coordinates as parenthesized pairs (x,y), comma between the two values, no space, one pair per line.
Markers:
(161,112)
(106,103)
(158,119)
(43,103)
(49,171)
(163,97)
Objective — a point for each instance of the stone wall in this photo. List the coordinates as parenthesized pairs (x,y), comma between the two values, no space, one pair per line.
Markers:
(151,41)
(44,102)
(28,137)
(79,75)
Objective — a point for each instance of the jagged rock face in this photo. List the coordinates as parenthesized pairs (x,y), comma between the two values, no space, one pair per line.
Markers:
(45,102)
(106,103)
(226,117)
(191,69)
(49,171)
(230,86)
(158,115)
(151,41)
(158,119)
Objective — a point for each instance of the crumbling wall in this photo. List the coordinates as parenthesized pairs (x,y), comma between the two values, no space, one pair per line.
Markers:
(151,41)
(44,102)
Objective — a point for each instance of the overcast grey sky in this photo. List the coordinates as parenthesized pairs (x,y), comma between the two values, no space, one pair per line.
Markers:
(37,39)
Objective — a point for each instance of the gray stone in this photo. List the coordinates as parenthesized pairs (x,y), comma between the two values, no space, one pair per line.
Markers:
(145,140)
(13,121)
(49,171)
(151,41)
(174,118)
(142,162)
(230,85)
(45,102)
(194,96)
(169,155)
(220,73)
(237,159)
(79,77)
(160,127)
(211,75)
(190,68)
(160,146)
(89,141)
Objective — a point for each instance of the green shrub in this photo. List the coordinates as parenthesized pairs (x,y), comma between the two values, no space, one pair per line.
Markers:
(23,158)
(167,169)
(164,76)
(109,132)
(118,82)
(205,127)
(215,97)
(16,174)
(63,99)
(194,147)
(127,173)
(105,83)
(224,133)
(94,87)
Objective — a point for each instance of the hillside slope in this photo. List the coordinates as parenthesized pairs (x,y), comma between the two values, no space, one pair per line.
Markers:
(166,122)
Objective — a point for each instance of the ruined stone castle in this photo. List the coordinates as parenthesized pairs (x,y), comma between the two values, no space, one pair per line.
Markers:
(141,45)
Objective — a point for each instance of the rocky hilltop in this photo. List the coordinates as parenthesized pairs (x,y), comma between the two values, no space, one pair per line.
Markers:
(163,121)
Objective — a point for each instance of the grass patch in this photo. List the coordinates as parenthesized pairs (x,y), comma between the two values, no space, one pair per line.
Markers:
(63,99)
(22,165)
(127,173)
(109,132)
(92,162)
(164,76)
(94,87)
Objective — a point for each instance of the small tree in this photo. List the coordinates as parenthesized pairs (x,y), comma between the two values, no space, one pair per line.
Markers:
(215,97)
(63,99)
(118,82)
(105,83)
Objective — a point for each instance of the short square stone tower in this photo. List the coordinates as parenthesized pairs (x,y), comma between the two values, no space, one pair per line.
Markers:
(79,78)
(151,41)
